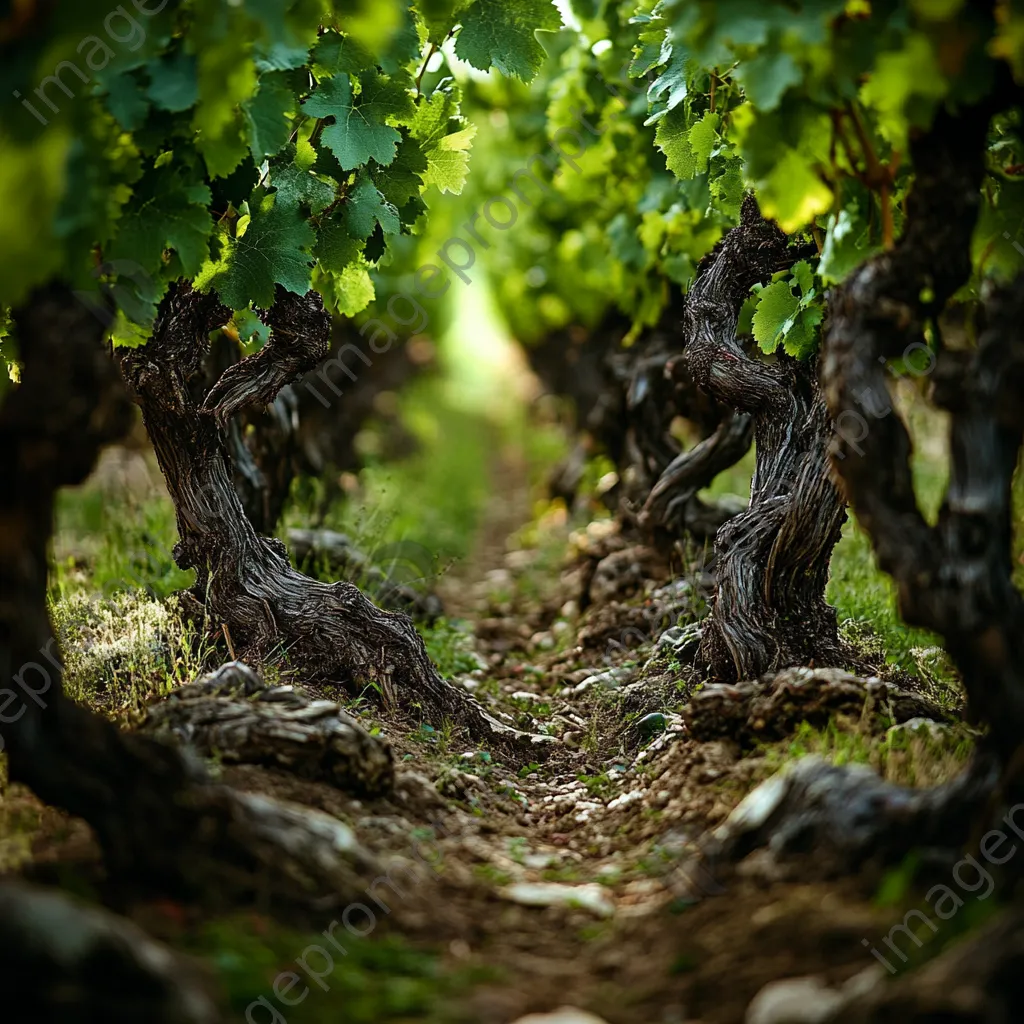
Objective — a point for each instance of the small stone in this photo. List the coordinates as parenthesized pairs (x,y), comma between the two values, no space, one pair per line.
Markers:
(589,897)
(563,1015)
(542,641)
(650,725)
(612,679)
(570,610)
(794,1001)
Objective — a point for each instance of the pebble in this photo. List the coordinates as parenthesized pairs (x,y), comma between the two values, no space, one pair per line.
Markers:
(563,1015)
(612,679)
(650,725)
(590,897)
(809,1000)
(794,1001)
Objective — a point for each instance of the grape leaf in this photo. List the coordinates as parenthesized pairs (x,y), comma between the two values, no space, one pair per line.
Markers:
(335,53)
(275,249)
(126,99)
(847,244)
(439,16)
(672,138)
(703,139)
(336,248)
(173,84)
(775,306)
(365,207)
(801,337)
(360,131)
(167,214)
(445,152)
(294,186)
(266,115)
(803,275)
(766,78)
(502,34)
(402,180)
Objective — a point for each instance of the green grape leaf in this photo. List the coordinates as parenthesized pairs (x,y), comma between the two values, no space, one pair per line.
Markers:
(280,55)
(365,207)
(847,244)
(348,291)
(801,338)
(402,180)
(126,99)
(439,16)
(803,275)
(335,54)
(336,248)
(168,214)
(703,139)
(727,189)
(672,138)
(173,84)
(275,249)
(253,333)
(766,78)
(446,152)
(792,193)
(674,80)
(294,186)
(502,34)
(360,131)
(775,307)
(266,115)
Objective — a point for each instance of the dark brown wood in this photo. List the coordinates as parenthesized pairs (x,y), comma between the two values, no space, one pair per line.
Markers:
(329,632)
(772,559)
(161,822)
(955,577)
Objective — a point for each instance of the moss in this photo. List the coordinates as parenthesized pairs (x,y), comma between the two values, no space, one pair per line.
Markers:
(863,595)
(377,980)
(914,757)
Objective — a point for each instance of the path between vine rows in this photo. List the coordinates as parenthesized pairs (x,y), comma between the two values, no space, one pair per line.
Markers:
(609,817)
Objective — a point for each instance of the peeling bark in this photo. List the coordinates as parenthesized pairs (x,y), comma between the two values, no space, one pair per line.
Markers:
(233,715)
(332,632)
(772,559)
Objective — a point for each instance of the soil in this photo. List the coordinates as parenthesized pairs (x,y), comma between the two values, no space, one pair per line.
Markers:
(612,810)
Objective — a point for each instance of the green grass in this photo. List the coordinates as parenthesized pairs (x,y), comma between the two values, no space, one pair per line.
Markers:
(861,592)
(380,979)
(433,499)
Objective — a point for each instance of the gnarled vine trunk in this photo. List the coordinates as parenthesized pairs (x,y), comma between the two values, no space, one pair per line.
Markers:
(955,577)
(161,821)
(772,559)
(330,632)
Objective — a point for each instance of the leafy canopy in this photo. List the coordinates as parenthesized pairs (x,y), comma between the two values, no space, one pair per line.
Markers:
(243,144)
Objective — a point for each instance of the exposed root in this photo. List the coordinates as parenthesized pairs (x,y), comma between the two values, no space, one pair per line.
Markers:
(235,716)
(771,708)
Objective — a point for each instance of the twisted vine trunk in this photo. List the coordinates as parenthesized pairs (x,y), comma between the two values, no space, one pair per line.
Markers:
(330,632)
(161,822)
(772,559)
(955,577)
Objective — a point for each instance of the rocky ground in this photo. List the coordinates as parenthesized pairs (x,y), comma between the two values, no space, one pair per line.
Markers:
(575,887)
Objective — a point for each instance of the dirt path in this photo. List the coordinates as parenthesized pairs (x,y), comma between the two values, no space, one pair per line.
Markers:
(568,881)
